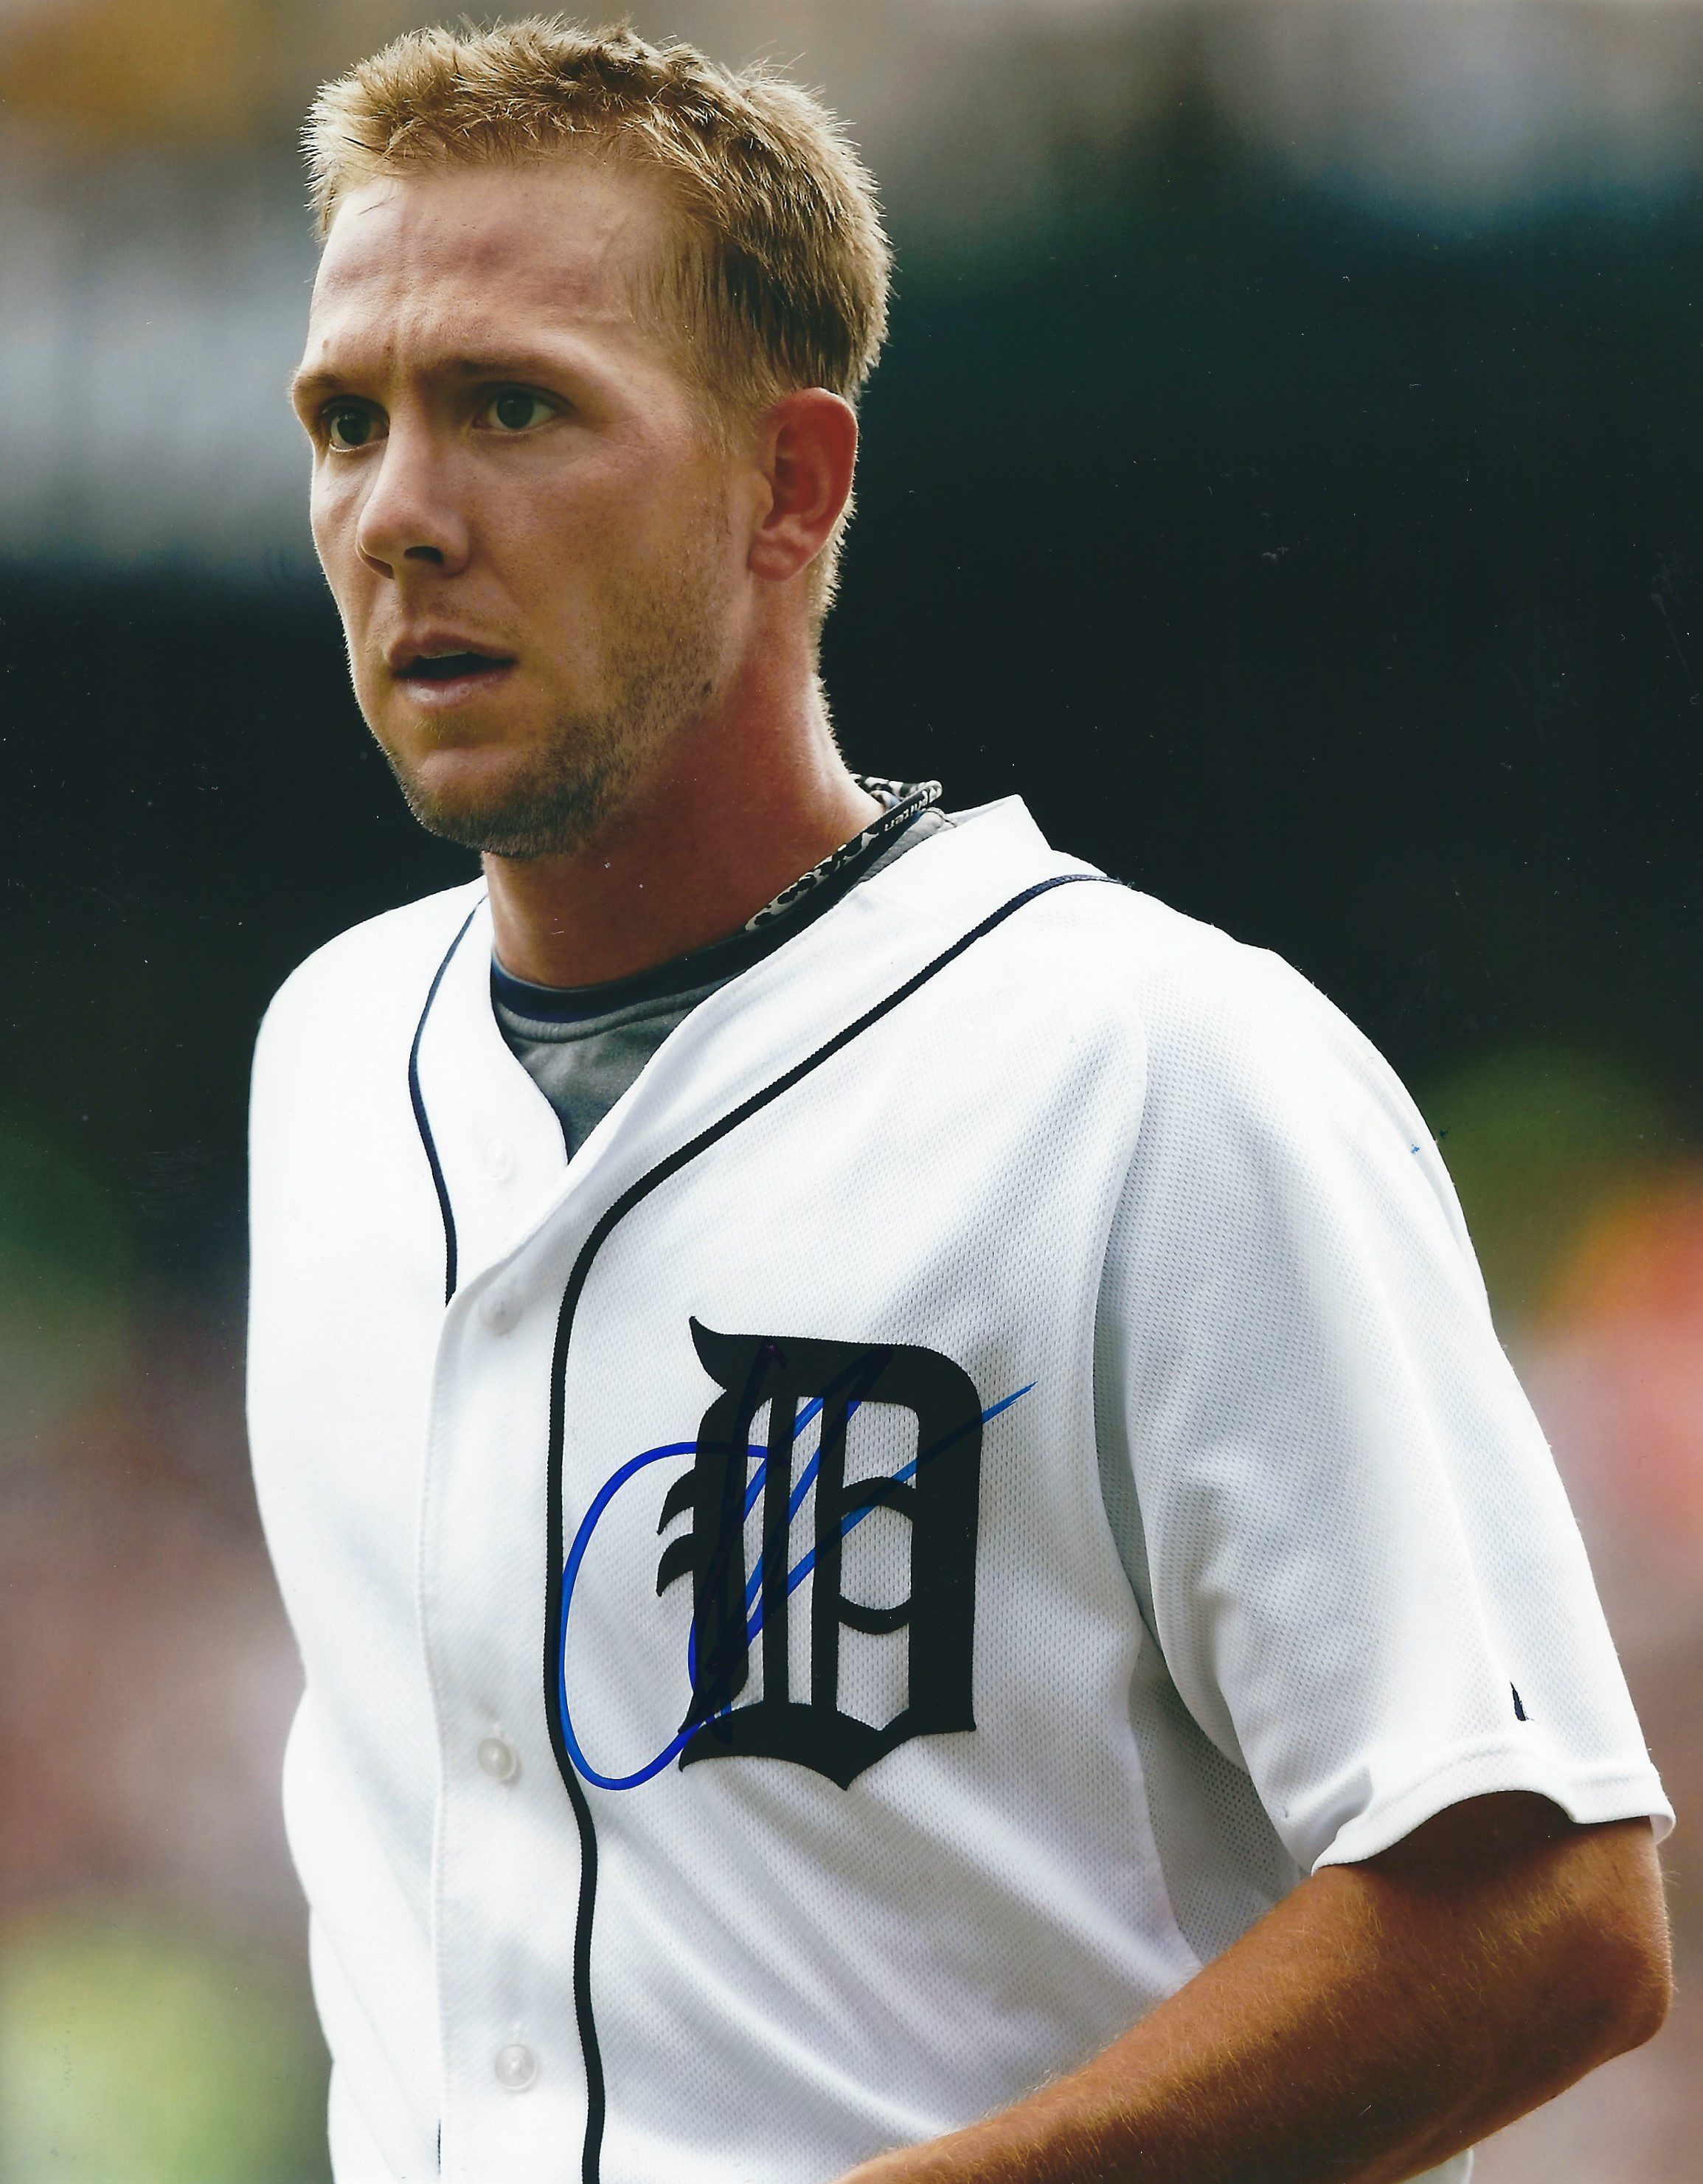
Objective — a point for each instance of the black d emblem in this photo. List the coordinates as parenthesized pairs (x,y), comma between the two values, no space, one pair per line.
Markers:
(938,1492)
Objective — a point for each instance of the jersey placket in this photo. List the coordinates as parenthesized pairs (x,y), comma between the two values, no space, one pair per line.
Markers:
(504,1852)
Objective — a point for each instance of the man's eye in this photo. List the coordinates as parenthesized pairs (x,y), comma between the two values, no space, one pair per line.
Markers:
(515,410)
(349,427)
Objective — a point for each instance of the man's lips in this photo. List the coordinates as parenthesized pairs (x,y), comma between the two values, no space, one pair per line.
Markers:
(450,666)
(440,675)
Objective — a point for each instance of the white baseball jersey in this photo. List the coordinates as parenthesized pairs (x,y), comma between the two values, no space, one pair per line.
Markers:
(990,1462)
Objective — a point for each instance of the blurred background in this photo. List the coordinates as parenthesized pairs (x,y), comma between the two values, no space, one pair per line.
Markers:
(1285,472)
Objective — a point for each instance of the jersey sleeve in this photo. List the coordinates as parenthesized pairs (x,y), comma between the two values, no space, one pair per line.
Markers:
(1342,1523)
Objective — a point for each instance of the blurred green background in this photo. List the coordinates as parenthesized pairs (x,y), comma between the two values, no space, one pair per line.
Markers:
(132,2050)
(1285,474)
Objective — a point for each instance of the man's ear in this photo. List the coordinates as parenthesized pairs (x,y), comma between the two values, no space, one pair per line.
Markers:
(807,450)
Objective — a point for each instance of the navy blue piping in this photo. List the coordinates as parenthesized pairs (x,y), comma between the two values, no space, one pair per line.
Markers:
(420,1121)
(595,2094)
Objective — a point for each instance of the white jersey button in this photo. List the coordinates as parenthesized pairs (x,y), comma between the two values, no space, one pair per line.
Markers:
(499,1311)
(516,2066)
(499,1758)
(499,1160)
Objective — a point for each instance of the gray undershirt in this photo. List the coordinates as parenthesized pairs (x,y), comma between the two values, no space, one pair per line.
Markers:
(583,1065)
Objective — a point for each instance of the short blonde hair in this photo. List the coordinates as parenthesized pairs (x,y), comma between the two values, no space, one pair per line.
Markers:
(781,277)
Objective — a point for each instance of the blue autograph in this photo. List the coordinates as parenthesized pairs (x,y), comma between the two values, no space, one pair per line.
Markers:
(795,1575)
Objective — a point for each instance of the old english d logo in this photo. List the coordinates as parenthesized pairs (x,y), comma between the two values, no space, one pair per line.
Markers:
(940,1493)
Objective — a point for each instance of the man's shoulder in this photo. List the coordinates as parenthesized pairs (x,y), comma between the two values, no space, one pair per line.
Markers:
(1201,1004)
(370,974)
(1195,979)
(992,861)
(1192,984)
(1231,1036)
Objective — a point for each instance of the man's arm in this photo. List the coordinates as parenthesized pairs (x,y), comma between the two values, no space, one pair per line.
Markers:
(1382,2017)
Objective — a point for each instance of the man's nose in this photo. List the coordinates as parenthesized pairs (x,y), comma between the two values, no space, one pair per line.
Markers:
(410,520)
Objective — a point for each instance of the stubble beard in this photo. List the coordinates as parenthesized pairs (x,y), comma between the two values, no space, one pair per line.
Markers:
(662,675)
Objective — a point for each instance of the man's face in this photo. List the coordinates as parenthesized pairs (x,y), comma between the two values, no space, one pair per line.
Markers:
(528,529)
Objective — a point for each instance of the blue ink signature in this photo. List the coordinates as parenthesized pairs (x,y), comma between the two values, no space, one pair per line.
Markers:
(795,1575)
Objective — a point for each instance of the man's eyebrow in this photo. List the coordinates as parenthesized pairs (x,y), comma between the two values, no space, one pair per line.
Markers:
(307,386)
(515,365)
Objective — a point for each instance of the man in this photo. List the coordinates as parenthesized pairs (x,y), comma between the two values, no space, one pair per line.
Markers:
(915,1556)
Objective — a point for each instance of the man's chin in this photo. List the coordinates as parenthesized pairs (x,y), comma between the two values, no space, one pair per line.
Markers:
(520,818)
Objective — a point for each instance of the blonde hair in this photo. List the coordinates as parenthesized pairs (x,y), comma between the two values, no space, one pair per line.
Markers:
(780,277)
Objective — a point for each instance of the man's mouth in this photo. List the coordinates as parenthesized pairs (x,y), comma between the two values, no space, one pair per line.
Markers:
(451,667)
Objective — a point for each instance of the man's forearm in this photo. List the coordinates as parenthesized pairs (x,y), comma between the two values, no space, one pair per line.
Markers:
(1382,2017)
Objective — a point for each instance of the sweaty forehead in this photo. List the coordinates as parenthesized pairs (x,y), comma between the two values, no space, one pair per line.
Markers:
(556,244)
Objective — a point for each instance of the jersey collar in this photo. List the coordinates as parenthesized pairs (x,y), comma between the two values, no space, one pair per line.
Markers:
(498,1143)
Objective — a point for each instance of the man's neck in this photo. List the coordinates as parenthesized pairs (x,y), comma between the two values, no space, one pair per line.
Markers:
(733,814)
